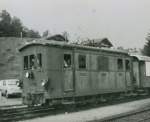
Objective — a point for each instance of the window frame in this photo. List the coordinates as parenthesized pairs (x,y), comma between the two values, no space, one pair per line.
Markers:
(4,83)
(30,64)
(39,60)
(127,67)
(82,64)
(27,57)
(65,62)
(147,71)
(122,64)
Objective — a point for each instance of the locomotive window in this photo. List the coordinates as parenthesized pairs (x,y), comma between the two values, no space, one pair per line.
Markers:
(39,60)
(103,63)
(82,61)
(147,66)
(120,64)
(25,62)
(127,63)
(32,60)
(67,60)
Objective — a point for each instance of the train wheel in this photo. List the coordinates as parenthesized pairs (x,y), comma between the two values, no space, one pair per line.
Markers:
(69,107)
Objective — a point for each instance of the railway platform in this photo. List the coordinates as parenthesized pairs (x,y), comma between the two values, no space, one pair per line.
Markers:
(96,114)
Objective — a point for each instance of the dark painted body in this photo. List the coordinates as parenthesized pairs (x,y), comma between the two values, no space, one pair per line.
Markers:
(140,73)
(73,81)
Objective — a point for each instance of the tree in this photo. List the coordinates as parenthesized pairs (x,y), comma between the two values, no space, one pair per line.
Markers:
(146,49)
(30,33)
(5,23)
(12,26)
(33,34)
(17,26)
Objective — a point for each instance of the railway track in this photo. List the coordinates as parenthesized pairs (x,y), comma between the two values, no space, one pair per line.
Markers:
(140,115)
(21,112)
(16,114)
(12,106)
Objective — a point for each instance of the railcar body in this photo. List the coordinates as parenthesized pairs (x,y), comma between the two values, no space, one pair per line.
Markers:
(56,71)
(141,72)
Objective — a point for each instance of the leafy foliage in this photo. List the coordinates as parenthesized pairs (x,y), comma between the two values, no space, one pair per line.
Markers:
(13,27)
(146,49)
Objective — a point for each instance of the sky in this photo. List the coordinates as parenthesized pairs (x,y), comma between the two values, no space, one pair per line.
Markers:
(124,22)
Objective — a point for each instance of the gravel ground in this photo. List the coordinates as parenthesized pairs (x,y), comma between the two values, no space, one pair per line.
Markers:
(94,114)
(9,101)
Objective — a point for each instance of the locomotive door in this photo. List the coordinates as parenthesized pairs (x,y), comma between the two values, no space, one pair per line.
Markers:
(136,73)
(68,72)
(128,72)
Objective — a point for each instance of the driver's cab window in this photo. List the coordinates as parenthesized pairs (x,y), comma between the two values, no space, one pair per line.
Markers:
(67,60)
(120,64)
(39,60)
(32,61)
(26,62)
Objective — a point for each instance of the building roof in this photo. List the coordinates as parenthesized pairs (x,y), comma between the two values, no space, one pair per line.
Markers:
(57,37)
(141,57)
(68,45)
(104,42)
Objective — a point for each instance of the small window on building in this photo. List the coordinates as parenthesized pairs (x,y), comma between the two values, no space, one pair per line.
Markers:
(32,61)
(82,61)
(67,60)
(4,83)
(39,60)
(26,62)
(127,63)
(103,63)
(120,64)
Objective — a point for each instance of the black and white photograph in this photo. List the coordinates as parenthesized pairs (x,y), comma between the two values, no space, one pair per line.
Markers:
(74,60)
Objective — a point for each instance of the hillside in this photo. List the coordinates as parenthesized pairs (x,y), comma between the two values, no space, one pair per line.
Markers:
(9,56)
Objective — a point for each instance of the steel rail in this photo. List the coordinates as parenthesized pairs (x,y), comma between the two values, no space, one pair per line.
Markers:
(25,114)
(127,115)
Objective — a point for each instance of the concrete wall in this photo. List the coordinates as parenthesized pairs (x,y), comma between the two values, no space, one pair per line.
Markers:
(9,56)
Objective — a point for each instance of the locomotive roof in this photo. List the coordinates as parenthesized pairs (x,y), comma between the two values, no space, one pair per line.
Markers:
(141,57)
(69,45)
